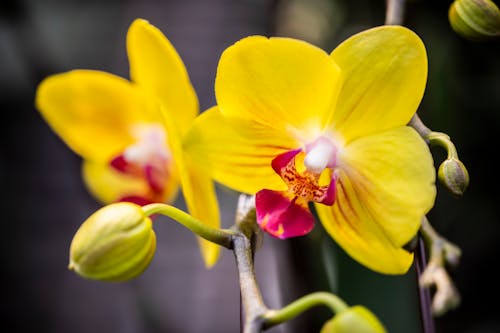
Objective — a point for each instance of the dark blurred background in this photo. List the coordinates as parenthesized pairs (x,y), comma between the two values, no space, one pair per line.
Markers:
(44,200)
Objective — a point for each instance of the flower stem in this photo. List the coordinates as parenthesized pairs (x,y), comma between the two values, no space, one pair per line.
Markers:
(441,253)
(257,317)
(251,297)
(443,140)
(292,310)
(423,293)
(394,12)
(214,235)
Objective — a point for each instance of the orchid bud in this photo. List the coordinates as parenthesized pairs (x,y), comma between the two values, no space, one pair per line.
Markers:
(116,243)
(453,174)
(475,19)
(355,319)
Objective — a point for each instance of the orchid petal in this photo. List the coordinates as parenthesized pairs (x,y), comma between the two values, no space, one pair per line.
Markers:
(241,157)
(393,175)
(93,112)
(156,66)
(197,188)
(353,228)
(283,215)
(385,72)
(385,186)
(280,83)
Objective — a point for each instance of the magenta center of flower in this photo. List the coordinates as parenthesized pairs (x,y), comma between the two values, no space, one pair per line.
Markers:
(286,214)
(148,158)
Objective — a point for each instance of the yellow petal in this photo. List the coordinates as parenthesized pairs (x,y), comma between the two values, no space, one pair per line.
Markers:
(109,185)
(385,72)
(282,83)
(156,67)
(238,156)
(197,188)
(354,229)
(93,111)
(393,174)
(200,196)
(385,187)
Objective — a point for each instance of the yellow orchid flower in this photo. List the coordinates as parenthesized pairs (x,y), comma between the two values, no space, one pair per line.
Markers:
(129,133)
(295,125)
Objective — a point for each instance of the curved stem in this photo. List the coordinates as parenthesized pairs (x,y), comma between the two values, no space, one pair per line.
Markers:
(292,310)
(214,235)
(419,126)
(443,140)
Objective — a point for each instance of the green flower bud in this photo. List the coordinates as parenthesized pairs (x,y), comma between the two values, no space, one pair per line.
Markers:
(355,319)
(475,19)
(453,174)
(116,243)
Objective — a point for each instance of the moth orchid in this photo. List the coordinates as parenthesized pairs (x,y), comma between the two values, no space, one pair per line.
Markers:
(129,133)
(295,125)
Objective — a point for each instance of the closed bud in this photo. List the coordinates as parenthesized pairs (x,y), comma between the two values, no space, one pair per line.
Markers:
(116,243)
(453,174)
(355,319)
(475,19)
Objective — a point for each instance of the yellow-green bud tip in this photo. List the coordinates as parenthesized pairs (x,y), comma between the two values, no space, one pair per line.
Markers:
(355,319)
(116,243)
(475,19)
(454,176)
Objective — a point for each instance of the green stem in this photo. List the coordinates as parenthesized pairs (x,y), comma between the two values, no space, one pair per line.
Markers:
(433,138)
(443,140)
(214,235)
(292,310)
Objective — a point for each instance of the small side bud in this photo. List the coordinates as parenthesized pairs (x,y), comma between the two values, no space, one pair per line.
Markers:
(355,319)
(453,174)
(116,243)
(475,19)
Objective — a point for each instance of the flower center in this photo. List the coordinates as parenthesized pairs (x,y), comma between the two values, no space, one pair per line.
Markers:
(319,159)
(148,157)
(320,155)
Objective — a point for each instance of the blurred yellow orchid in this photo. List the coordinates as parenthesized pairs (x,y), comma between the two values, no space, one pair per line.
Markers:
(294,125)
(129,133)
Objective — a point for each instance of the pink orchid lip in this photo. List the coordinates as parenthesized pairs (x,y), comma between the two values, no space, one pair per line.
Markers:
(281,161)
(281,216)
(138,200)
(286,214)
(304,185)
(155,171)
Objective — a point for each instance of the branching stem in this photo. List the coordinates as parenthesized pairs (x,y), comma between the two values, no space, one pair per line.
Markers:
(442,253)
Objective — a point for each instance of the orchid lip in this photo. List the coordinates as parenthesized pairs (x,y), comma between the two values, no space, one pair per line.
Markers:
(148,157)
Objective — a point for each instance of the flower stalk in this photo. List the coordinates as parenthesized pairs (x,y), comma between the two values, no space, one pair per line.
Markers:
(218,236)
(257,316)
(452,172)
(292,310)
(442,253)
(394,12)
